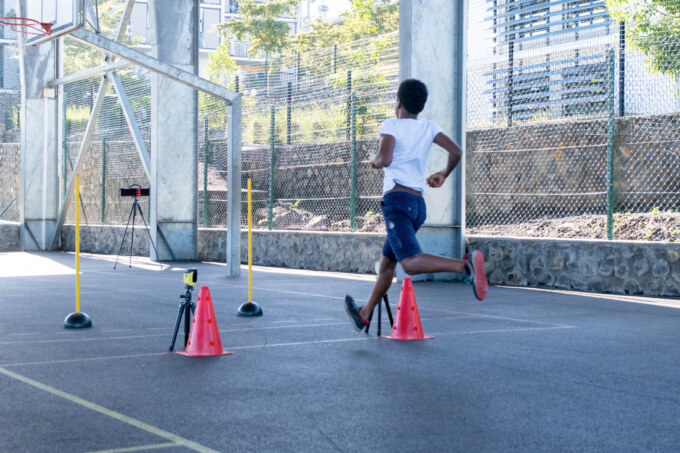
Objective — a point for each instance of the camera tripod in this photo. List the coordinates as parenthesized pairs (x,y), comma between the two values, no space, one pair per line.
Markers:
(133,214)
(389,315)
(187,307)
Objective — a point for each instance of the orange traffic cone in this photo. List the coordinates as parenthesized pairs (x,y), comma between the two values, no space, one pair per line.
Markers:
(204,337)
(407,324)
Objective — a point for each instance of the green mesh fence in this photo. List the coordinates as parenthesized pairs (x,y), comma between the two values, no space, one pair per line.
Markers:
(310,123)
(571,134)
(10,121)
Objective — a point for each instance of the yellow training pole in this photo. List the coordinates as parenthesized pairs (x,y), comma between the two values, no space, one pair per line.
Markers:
(77,319)
(250,242)
(77,196)
(250,308)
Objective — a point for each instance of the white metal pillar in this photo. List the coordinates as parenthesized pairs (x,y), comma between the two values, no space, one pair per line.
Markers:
(39,147)
(174,131)
(432,48)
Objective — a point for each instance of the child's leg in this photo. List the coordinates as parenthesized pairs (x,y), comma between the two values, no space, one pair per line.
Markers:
(382,284)
(425,263)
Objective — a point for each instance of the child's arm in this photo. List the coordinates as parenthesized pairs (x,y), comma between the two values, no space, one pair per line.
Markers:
(455,153)
(385,152)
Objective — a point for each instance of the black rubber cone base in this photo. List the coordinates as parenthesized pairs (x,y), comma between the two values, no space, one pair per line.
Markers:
(249,309)
(77,321)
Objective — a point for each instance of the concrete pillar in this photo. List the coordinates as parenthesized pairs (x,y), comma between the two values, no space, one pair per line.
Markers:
(39,147)
(174,130)
(432,48)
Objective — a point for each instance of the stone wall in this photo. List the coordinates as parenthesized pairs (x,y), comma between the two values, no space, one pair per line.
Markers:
(322,251)
(618,267)
(10,180)
(9,236)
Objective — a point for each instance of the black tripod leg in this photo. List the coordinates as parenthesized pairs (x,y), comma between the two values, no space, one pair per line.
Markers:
(120,249)
(187,324)
(147,231)
(132,239)
(179,319)
(389,311)
(379,319)
(370,318)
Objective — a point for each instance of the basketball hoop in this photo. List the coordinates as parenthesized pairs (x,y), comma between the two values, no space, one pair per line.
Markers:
(27,26)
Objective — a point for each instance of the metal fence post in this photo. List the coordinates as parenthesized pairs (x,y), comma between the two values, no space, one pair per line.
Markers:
(289,112)
(622,68)
(104,180)
(206,161)
(353,184)
(272,163)
(611,125)
(349,104)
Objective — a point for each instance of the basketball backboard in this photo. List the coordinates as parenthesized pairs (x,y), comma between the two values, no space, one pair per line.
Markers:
(65,16)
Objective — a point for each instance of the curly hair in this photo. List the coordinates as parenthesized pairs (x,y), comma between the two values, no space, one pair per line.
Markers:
(412,94)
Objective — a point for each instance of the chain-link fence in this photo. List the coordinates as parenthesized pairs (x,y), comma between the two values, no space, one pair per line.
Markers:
(310,122)
(113,161)
(570,133)
(10,119)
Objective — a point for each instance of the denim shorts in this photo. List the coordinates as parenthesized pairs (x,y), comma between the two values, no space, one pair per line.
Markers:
(404,214)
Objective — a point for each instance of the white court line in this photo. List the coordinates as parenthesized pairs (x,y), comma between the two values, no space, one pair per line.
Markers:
(132,337)
(109,413)
(457,316)
(479,315)
(138,448)
(276,345)
(646,300)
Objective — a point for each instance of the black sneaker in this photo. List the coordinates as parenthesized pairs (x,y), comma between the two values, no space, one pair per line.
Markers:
(352,309)
(474,273)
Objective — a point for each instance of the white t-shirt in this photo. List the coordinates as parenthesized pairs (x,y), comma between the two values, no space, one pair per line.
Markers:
(413,140)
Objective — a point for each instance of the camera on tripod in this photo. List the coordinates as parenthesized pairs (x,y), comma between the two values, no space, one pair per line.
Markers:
(190,277)
(186,307)
(133,191)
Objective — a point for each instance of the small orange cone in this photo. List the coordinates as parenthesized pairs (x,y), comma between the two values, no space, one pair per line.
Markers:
(204,337)
(407,324)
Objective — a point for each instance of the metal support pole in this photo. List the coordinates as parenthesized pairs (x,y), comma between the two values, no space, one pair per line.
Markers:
(349,104)
(511,64)
(335,58)
(206,161)
(103,180)
(611,126)
(289,112)
(272,163)
(299,69)
(353,183)
(622,68)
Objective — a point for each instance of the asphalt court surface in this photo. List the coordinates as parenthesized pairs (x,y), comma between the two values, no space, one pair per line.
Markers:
(524,370)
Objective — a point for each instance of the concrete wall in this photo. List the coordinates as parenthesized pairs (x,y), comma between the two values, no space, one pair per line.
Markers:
(619,267)
(9,237)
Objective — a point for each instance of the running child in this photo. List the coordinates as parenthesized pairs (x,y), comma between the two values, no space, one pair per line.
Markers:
(404,146)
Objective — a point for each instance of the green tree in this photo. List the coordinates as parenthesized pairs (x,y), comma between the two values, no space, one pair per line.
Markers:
(260,25)
(220,64)
(653,27)
(78,57)
(365,19)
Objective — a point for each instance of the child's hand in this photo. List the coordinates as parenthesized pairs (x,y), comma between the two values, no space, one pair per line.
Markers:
(436,180)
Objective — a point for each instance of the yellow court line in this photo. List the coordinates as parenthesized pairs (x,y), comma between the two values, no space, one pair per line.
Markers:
(109,413)
(140,448)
